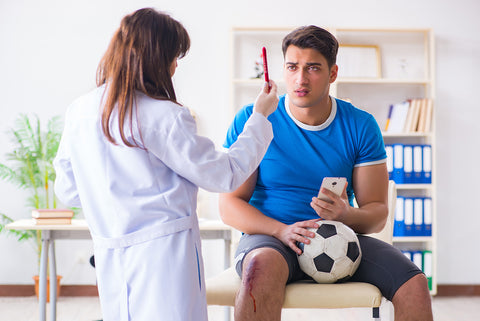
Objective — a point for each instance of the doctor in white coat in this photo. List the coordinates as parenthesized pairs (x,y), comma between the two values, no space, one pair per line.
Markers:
(131,159)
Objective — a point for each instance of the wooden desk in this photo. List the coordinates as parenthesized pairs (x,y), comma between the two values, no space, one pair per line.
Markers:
(209,229)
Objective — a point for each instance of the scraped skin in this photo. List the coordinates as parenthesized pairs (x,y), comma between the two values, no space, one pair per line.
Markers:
(249,280)
(259,284)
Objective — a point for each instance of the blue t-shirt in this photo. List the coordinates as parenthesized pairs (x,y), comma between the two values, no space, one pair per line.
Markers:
(300,156)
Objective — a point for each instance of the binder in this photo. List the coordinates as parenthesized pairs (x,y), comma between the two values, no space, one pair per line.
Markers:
(417,164)
(417,258)
(427,216)
(408,216)
(408,164)
(427,164)
(407,254)
(399,222)
(389,151)
(418,226)
(427,267)
(398,163)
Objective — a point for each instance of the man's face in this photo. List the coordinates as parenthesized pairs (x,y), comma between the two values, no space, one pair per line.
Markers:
(307,77)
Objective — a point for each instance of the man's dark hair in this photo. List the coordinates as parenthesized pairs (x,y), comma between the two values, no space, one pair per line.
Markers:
(315,38)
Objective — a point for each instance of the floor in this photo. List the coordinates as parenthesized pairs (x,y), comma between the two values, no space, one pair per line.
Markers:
(88,309)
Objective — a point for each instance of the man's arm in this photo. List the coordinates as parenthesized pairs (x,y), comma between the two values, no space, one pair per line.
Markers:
(370,184)
(238,213)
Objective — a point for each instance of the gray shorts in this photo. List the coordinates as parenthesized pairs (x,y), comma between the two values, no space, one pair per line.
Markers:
(382,264)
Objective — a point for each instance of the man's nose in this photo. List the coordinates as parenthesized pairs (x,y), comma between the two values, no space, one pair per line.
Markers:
(301,78)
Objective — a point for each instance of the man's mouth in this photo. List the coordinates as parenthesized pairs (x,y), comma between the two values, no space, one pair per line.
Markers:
(301,92)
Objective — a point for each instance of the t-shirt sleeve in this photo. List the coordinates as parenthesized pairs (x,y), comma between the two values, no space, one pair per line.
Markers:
(237,125)
(371,147)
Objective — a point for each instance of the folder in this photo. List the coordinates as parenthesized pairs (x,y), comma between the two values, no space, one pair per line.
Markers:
(427,216)
(417,258)
(398,163)
(427,267)
(389,151)
(408,164)
(418,225)
(408,216)
(427,164)
(417,164)
(399,222)
(407,254)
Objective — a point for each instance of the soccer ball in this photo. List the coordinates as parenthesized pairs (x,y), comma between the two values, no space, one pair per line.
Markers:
(333,255)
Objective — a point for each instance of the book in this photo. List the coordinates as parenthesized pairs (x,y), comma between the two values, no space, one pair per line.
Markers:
(52,213)
(387,124)
(428,118)
(423,116)
(398,117)
(411,126)
(53,221)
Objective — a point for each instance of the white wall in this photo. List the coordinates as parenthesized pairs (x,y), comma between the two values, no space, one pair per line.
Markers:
(49,52)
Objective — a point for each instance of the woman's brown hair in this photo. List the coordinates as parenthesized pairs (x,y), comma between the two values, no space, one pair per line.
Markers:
(139,58)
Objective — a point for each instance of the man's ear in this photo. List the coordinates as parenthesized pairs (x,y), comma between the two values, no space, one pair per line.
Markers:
(333,73)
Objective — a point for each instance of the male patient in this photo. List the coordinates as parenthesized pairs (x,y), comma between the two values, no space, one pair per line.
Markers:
(315,136)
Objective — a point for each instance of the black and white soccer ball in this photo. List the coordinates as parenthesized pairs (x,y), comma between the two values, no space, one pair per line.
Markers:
(333,255)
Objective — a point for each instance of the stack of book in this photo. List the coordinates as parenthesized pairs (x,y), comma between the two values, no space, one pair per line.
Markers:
(52,216)
(412,116)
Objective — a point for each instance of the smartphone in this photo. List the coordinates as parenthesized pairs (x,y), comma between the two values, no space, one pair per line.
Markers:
(334,184)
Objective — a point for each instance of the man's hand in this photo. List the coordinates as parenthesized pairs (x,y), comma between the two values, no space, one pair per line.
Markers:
(297,232)
(336,210)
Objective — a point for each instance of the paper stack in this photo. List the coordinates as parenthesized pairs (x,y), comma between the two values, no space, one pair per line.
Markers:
(52,216)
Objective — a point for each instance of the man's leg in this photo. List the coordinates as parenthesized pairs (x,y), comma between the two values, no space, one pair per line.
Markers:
(264,276)
(412,300)
(399,279)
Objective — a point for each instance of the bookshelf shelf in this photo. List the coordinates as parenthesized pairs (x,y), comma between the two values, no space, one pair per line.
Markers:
(412,239)
(378,81)
(404,70)
(406,135)
(414,186)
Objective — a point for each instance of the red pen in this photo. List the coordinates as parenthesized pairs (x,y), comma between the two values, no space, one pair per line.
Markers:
(265,67)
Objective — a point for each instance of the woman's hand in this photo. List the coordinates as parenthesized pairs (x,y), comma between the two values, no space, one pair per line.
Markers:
(267,99)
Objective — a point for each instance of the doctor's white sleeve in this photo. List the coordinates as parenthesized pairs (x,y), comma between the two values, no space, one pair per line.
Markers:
(195,157)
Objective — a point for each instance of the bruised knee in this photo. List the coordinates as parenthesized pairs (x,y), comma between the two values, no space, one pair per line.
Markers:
(264,264)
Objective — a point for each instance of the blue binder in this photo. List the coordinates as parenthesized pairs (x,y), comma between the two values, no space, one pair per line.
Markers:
(427,164)
(408,164)
(418,225)
(418,164)
(389,151)
(398,175)
(427,216)
(408,216)
(399,223)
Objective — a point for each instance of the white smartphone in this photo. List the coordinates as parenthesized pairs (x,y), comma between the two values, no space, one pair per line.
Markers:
(334,184)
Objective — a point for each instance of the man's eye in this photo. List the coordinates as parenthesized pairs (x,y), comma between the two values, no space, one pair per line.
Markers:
(291,68)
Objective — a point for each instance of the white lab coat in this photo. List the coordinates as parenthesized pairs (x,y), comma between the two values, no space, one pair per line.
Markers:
(140,205)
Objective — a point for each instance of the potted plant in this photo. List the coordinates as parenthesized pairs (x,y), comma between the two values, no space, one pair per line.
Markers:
(32,168)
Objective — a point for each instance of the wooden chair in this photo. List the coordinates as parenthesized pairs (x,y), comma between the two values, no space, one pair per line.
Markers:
(222,289)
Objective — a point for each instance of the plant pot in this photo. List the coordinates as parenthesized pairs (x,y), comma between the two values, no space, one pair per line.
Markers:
(37,286)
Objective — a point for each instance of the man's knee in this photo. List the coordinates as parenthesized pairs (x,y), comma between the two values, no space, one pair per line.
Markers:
(416,286)
(261,265)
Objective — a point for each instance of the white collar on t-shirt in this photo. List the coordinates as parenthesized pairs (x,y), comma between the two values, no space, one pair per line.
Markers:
(324,125)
